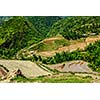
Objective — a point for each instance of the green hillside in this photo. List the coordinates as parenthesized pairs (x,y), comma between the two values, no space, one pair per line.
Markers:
(91,54)
(16,34)
(77,26)
(43,23)
(50,49)
(50,45)
(19,32)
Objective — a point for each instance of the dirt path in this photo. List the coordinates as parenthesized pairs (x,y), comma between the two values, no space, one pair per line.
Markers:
(72,47)
(44,41)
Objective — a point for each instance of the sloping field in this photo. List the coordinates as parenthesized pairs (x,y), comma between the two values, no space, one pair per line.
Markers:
(72,66)
(28,68)
(65,48)
(72,47)
(48,48)
(46,41)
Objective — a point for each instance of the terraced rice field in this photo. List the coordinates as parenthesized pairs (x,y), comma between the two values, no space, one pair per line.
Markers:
(72,66)
(28,68)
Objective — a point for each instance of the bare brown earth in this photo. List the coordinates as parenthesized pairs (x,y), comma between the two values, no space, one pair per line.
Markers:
(72,66)
(28,68)
(74,46)
(31,70)
(47,41)
(79,67)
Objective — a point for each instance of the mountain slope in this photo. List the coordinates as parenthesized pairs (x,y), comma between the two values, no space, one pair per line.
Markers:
(46,45)
(43,23)
(77,26)
(19,32)
(16,34)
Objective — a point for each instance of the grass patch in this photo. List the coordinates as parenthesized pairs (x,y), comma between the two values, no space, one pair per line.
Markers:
(58,78)
(51,45)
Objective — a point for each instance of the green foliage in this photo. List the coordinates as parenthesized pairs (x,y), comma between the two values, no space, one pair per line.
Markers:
(43,23)
(91,54)
(75,27)
(15,35)
(19,78)
(94,55)
(48,46)
(19,32)
(55,79)
(4,18)
(64,56)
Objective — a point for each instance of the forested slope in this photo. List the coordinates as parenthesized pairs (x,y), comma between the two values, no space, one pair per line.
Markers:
(43,23)
(18,32)
(76,27)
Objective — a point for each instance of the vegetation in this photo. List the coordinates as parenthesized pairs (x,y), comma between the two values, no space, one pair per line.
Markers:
(52,45)
(65,78)
(91,54)
(4,18)
(64,56)
(43,23)
(15,34)
(76,27)
(19,32)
